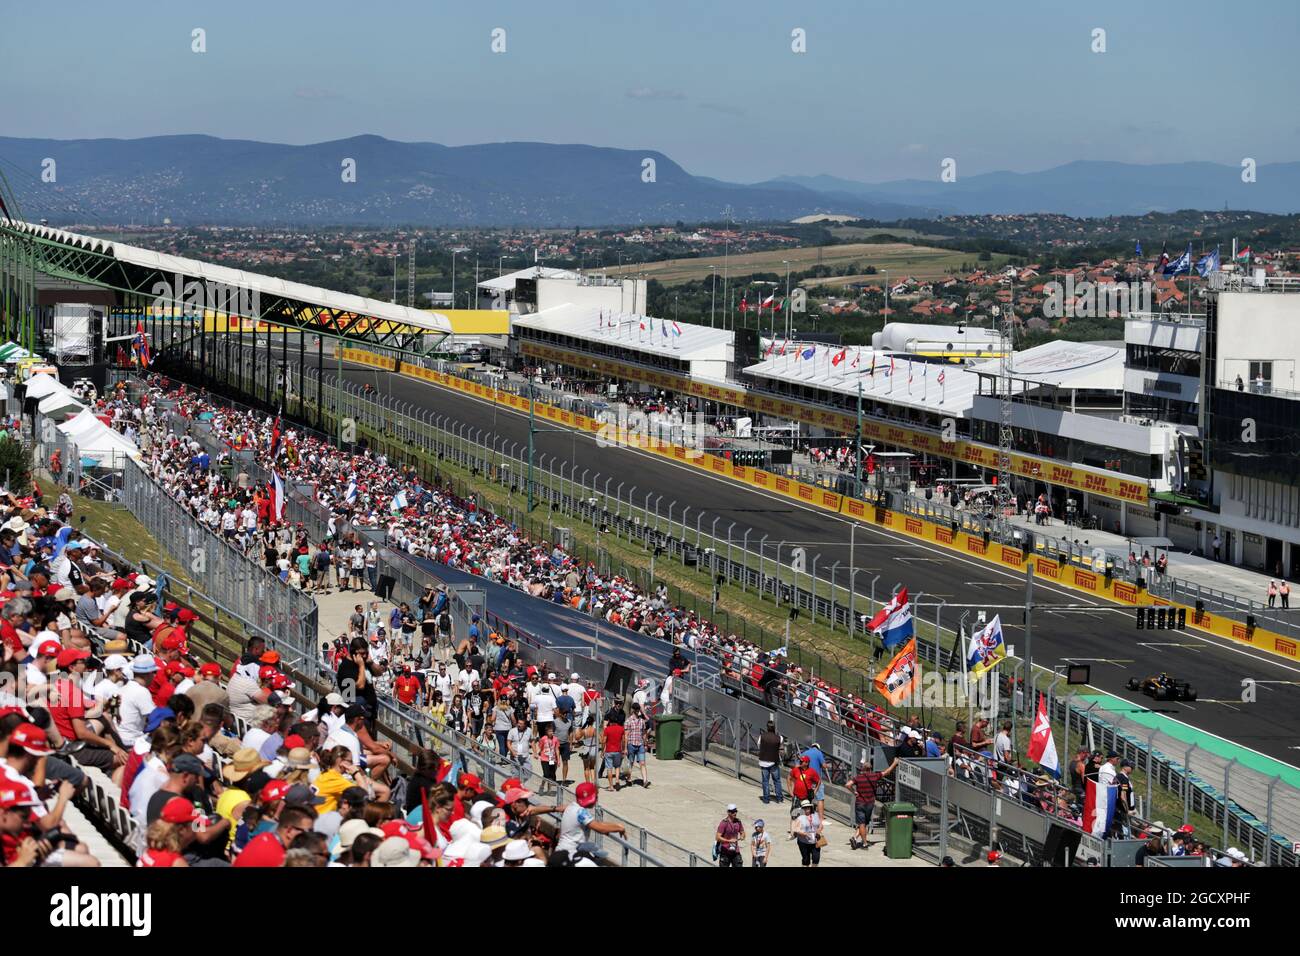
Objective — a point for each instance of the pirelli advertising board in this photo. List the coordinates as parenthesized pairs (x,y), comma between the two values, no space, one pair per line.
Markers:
(973,453)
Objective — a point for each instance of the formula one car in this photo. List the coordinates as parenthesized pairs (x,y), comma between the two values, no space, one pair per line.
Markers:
(1163,687)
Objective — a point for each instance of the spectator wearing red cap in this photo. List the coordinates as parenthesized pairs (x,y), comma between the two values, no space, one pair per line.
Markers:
(268,849)
(167,652)
(24,767)
(44,655)
(207,688)
(19,847)
(168,835)
(92,738)
(578,819)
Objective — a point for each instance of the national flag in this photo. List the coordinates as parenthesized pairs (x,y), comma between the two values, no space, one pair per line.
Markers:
(809,352)
(770,300)
(986,648)
(642,325)
(1243,255)
(664,329)
(839,356)
(140,345)
(276,487)
(677,329)
(901,676)
(1137,248)
(1042,748)
(783,345)
(1164,256)
(399,502)
(856,356)
(771,347)
(1208,263)
(1098,807)
(1180,266)
(350,496)
(873,365)
(909,371)
(744,304)
(275,438)
(893,622)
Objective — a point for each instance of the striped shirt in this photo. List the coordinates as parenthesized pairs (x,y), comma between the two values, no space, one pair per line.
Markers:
(635,730)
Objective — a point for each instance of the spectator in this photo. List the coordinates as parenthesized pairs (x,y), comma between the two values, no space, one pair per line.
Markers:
(809,834)
(760,845)
(769,762)
(730,832)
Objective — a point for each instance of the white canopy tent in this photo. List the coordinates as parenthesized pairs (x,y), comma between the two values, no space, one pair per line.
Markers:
(96,440)
(59,401)
(43,385)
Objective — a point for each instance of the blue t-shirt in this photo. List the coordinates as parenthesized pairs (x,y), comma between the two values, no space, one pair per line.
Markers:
(932,749)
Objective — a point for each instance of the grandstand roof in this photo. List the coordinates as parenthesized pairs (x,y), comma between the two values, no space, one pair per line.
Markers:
(623,329)
(1072,365)
(955,395)
(505,282)
(239,279)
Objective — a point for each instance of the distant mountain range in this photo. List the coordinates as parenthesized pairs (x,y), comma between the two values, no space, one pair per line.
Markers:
(202,179)
(206,180)
(1085,188)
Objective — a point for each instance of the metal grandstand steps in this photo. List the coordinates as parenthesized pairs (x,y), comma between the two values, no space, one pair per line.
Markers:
(103,850)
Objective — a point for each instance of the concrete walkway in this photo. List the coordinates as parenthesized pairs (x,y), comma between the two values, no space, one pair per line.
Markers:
(685,802)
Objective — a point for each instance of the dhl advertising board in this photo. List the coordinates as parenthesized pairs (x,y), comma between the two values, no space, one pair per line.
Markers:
(961,542)
(973,453)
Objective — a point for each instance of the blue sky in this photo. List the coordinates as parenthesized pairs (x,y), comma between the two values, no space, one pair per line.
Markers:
(885,90)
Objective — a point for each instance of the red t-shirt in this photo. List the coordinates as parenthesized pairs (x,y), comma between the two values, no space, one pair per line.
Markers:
(406,688)
(158,858)
(806,782)
(66,703)
(265,849)
(613,735)
(9,634)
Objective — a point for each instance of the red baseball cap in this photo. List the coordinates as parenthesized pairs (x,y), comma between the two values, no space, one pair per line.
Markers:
(466,781)
(48,649)
(210,670)
(267,672)
(275,790)
(32,739)
(179,810)
(186,615)
(280,682)
(994,856)
(511,784)
(120,584)
(517,793)
(586,794)
(172,642)
(70,655)
(294,740)
(397,828)
(12,797)
(171,606)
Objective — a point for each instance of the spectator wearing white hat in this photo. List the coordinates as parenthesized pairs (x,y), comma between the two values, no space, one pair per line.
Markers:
(136,702)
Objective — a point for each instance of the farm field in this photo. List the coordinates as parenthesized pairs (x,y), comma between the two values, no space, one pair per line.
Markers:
(900,258)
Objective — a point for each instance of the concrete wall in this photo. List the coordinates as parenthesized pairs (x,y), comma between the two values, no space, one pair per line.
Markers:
(1255,326)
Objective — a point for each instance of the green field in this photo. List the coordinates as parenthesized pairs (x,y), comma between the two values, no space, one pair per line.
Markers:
(900,258)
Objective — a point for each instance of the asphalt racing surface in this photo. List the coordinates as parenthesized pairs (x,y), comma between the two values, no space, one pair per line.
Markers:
(1101,634)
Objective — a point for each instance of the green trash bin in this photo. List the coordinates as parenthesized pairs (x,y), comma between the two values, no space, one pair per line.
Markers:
(899,818)
(668,737)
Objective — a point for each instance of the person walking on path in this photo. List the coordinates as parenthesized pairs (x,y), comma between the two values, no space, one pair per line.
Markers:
(1284,589)
(804,782)
(730,832)
(809,834)
(1272,592)
(760,845)
(1217,544)
(769,762)
(863,787)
